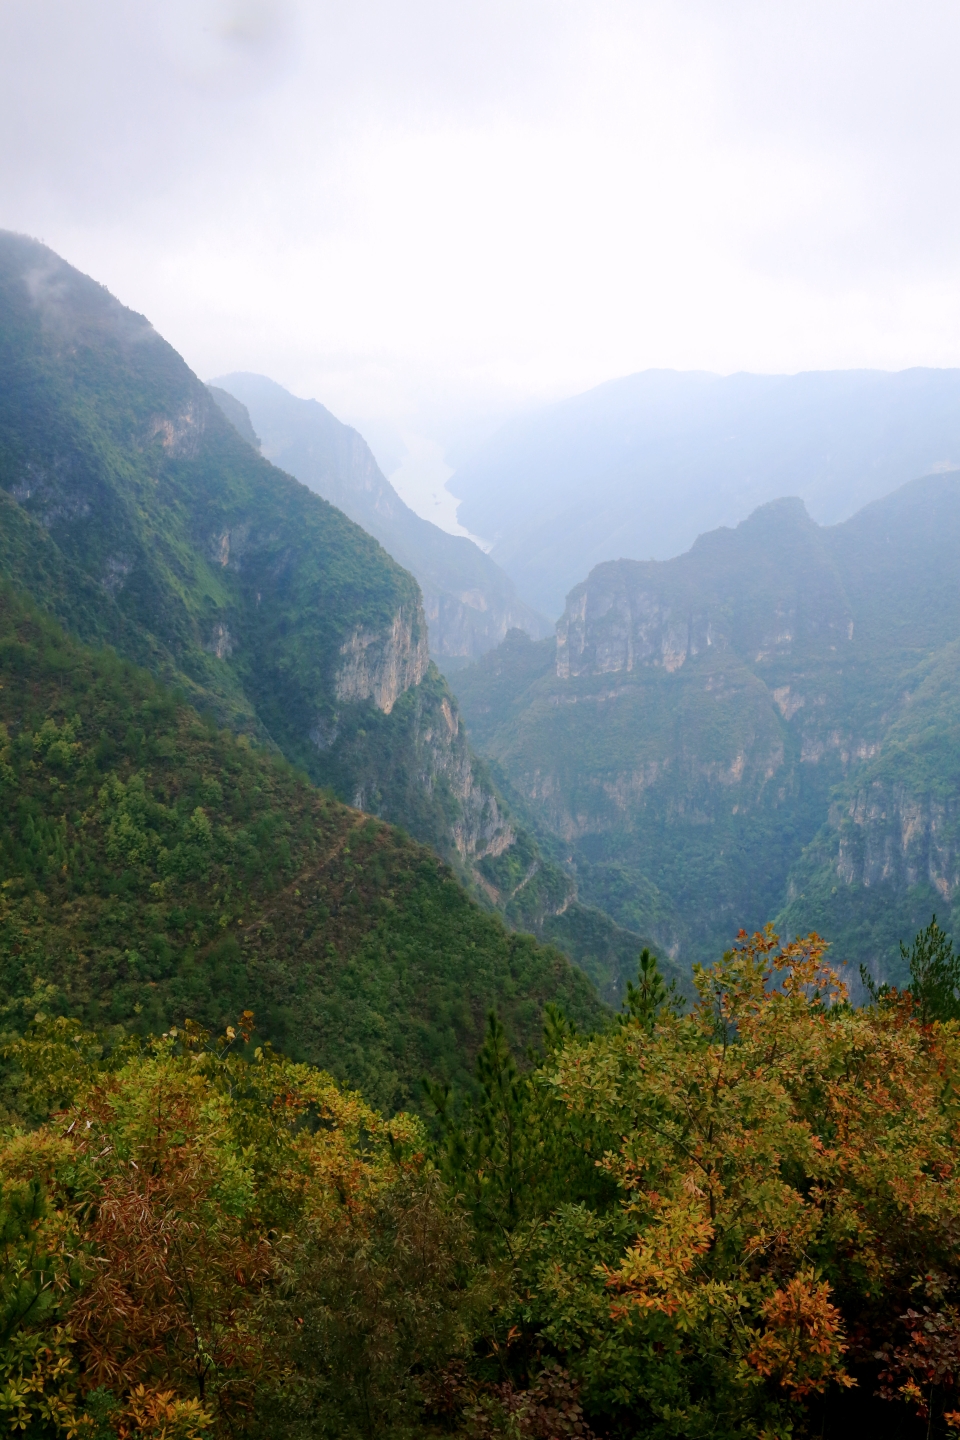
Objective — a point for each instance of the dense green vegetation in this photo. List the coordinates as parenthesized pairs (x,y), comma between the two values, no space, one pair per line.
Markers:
(797,757)
(650,1232)
(114,449)
(731,1219)
(154,867)
(132,511)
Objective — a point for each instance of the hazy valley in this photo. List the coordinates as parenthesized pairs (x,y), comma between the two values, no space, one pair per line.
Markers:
(325,872)
(639,467)
(761,729)
(469,602)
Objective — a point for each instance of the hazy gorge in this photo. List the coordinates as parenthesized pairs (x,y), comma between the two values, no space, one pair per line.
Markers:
(641,466)
(764,727)
(469,602)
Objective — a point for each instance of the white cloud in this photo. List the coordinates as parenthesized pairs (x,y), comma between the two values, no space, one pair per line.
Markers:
(424,212)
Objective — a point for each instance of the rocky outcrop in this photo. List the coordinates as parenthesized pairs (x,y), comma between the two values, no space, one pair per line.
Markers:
(768,590)
(469,622)
(889,836)
(480,828)
(426,777)
(181,434)
(447,764)
(611,626)
(380,665)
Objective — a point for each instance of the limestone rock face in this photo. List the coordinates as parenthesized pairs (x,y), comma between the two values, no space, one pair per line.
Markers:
(480,828)
(767,591)
(888,835)
(380,666)
(609,627)
(181,434)
(767,727)
(466,623)
(443,771)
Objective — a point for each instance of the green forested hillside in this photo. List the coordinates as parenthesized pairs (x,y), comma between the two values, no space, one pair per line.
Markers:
(134,512)
(111,446)
(154,867)
(649,1233)
(765,722)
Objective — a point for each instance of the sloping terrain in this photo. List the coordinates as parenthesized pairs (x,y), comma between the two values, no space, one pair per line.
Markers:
(153,868)
(765,722)
(134,512)
(469,602)
(642,465)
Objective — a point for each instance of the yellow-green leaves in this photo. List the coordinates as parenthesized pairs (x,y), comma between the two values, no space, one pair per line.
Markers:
(57,745)
(127,811)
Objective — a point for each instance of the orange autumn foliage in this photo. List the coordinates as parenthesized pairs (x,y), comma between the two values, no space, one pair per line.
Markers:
(789,1165)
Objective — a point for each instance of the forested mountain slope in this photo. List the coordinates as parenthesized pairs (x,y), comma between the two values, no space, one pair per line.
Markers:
(134,512)
(154,868)
(470,603)
(768,721)
(642,465)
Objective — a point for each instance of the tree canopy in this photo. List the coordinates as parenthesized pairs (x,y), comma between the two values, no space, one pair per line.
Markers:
(739,1220)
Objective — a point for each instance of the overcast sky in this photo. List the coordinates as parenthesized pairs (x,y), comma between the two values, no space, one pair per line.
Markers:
(422,211)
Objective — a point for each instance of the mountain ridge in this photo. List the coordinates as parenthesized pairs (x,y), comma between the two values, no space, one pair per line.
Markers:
(155,868)
(469,602)
(639,466)
(710,737)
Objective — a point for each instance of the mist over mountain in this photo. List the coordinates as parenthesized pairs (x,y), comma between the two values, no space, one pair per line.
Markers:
(238,415)
(500,984)
(766,727)
(639,467)
(469,602)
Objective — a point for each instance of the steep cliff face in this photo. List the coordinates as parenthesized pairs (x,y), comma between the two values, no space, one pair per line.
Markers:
(466,621)
(469,602)
(448,766)
(889,851)
(767,591)
(745,731)
(888,836)
(414,763)
(379,665)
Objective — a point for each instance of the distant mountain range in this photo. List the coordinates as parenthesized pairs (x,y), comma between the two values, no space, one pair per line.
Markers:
(764,728)
(469,602)
(641,466)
